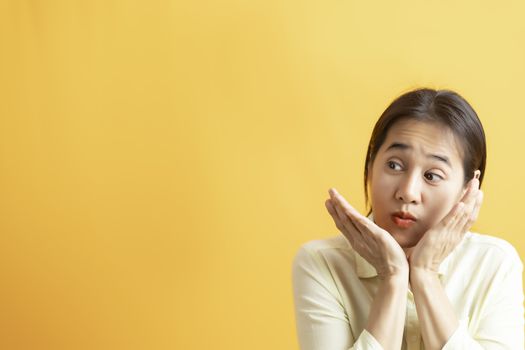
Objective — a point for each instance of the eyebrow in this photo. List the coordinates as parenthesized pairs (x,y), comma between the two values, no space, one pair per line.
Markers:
(404,147)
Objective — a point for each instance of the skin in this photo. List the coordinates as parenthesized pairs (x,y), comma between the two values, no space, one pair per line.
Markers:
(445,208)
(408,180)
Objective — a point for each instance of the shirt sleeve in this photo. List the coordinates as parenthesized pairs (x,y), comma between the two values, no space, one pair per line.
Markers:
(502,323)
(321,320)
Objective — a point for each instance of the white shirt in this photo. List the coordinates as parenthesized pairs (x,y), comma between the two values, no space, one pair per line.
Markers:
(334,286)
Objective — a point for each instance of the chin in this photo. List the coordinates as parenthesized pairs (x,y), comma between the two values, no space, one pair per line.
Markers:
(405,238)
(403,241)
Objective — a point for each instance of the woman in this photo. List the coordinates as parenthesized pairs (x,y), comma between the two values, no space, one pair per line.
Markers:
(411,275)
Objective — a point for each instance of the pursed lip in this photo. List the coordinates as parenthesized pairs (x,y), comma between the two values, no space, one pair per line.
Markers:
(404,215)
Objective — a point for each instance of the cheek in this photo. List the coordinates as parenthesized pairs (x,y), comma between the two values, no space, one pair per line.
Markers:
(381,191)
(440,205)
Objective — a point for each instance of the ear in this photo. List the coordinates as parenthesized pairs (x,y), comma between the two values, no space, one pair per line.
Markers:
(461,194)
(477,174)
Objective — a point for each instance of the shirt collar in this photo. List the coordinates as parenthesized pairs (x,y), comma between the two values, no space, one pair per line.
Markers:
(365,270)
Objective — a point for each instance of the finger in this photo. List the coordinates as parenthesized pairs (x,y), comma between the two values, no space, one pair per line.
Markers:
(329,206)
(450,220)
(344,203)
(467,202)
(362,225)
(359,221)
(345,218)
(351,233)
(344,209)
(471,201)
(338,222)
(351,217)
(468,216)
(470,194)
(474,213)
(462,222)
(357,225)
(333,212)
(341,220)
(477,206)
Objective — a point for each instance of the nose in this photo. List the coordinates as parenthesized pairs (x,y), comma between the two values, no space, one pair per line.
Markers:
(409,189)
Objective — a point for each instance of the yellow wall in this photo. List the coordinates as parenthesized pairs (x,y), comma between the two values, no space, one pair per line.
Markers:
(162,161)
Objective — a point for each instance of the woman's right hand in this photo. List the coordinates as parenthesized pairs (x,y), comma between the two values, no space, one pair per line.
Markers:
(374,244)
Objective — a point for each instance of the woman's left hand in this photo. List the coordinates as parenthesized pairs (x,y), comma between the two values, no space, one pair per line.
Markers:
(439,241)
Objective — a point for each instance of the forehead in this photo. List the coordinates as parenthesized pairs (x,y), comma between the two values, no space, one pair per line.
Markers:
(424,138)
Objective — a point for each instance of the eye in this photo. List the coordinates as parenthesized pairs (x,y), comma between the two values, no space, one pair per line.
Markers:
(392,165)
(432,177)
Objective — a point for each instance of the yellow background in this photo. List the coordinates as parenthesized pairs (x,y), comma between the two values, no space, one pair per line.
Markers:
(162,161)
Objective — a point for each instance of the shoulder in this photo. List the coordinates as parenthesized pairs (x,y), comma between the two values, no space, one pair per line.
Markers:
(320,246)
(321,265)
(482,248)
(323,252)
(486,243)
(333,242)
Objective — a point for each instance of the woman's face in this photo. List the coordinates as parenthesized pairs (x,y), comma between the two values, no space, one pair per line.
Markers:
(417,170)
